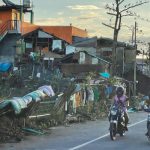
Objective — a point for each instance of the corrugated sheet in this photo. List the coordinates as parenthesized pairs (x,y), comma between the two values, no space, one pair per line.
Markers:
(62,32)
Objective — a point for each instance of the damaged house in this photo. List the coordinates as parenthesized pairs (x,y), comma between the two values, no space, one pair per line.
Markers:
(82,62)
(46,46)
(13,29)
(126,54)
(82,57)
(98,51)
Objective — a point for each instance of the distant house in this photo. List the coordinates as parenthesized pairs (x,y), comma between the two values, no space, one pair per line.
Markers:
(41,41)
(125,54)
(13,26)
(67,33)
(82,61)
(102,48)
(89,45)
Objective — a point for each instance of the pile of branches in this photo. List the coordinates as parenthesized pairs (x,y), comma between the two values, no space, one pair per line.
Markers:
(10,129)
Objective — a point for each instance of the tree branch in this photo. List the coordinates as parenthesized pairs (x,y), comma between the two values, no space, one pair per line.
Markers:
(110,8)
(111,14)
(128,15)
(133,6)
(108,26)
(120,2)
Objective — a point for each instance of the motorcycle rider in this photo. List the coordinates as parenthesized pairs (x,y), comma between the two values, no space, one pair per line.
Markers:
(147,101)
(120,99)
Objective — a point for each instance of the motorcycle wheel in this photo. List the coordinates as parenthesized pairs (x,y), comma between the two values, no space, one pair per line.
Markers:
(120,130)
(121,133)
(148,132)
(113,131)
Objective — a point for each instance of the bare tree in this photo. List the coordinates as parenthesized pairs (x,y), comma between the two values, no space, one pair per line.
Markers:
(119,9)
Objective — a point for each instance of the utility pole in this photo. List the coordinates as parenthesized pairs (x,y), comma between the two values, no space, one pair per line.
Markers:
(21,20)
(134,93)
(149,59)
(21,10)
(132,39)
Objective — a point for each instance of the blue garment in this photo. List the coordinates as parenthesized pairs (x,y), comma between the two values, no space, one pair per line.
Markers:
(108,90)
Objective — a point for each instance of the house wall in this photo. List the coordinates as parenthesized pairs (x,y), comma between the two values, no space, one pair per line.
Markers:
(8,15)
(15,15)
(83,58)
(8,47)
(88,59)
(5,16)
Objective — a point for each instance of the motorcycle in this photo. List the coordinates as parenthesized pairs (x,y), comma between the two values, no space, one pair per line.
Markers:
(117,122)
(148,127)
(147,109)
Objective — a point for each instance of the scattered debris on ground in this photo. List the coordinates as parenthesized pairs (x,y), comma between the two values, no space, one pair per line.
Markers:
(27,106)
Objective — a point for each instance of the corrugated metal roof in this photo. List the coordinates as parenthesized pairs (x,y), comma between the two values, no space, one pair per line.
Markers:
(62,32)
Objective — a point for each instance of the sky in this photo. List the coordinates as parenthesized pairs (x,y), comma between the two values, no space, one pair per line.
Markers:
(89,15)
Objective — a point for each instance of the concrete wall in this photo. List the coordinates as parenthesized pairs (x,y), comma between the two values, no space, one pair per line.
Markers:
(68,69)
(8,47)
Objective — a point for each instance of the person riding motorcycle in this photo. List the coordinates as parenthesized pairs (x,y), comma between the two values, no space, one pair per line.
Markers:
(120,99)
(147,109)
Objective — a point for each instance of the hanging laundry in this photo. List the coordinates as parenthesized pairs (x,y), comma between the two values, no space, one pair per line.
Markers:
(78,99)
(90,94)
(72,98)
(108,91)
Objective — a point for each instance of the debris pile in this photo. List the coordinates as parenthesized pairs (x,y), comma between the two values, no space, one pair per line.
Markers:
(10,129)
(75,100)
(14,111)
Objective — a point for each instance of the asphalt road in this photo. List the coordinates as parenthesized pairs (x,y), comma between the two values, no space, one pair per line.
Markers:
(92,135)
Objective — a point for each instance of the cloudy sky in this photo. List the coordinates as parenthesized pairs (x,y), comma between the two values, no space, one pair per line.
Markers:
(90,14)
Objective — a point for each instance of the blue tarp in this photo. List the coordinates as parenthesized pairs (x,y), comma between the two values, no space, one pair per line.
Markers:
(130,110)
(105,74)
(5,66)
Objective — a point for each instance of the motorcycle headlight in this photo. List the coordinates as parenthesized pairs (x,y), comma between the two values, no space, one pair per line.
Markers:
(113,112)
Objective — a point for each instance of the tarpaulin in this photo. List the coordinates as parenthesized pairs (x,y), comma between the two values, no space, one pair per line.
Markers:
(105,75)
(35,96)
(47,89)
(16,103)
(5,66)
(19,103)
(27,99)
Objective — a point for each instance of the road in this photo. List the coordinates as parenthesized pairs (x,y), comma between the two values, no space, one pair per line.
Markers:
(92,135)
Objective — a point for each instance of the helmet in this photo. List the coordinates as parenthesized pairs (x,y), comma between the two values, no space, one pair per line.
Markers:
(120,91)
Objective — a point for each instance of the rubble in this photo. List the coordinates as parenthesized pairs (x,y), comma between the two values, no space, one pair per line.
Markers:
(13,110)
(75,100)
